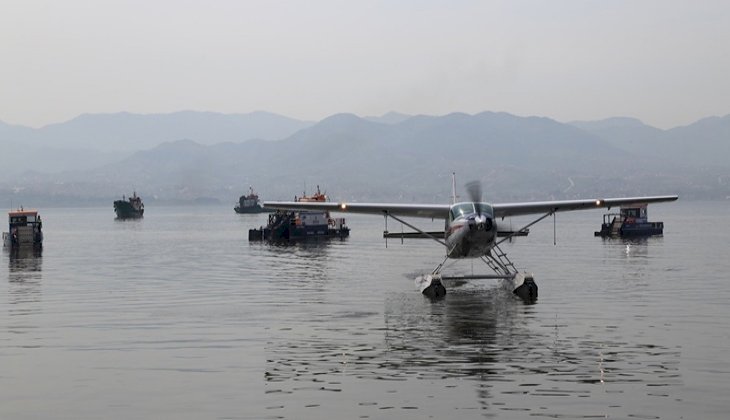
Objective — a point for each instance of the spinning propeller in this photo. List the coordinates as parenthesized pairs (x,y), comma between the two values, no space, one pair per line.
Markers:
(481,222)
(474,188)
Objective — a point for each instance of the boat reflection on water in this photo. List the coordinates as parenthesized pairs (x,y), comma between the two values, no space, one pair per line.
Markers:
(25,260)
(637,251)
(24,277)
(296,266)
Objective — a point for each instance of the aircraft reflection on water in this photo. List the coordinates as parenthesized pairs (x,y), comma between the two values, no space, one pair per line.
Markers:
(472,339)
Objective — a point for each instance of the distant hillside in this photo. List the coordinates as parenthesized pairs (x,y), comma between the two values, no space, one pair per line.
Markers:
(706,142)
(703,143)
(389,118)
(129,132)
(628,134)
(91,140)
(353,158)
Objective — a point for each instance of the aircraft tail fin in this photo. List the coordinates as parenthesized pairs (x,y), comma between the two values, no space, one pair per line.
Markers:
(453,188)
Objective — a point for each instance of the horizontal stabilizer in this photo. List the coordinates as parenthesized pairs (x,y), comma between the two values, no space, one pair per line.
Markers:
(505,233)
(440,234)
(416,235)
(478,277)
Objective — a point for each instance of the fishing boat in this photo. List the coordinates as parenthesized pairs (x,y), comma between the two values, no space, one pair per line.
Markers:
(131,208)
(25,229)
(631,221)
(286,226)
(249,204)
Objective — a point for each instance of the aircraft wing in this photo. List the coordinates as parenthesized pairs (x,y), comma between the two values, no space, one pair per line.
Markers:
(441,211)
(518,209)
(434,211)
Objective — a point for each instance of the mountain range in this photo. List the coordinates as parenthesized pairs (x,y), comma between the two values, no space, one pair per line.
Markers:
(201,156)
(90,140)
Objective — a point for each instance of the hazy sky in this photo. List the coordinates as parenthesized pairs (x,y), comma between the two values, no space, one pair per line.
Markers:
(665,62)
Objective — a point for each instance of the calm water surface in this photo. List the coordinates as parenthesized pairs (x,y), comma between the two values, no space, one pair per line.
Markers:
(179,316)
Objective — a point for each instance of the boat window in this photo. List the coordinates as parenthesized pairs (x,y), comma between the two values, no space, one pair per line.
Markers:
(631,212)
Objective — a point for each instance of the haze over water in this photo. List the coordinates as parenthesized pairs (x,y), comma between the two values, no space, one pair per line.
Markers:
(179,316)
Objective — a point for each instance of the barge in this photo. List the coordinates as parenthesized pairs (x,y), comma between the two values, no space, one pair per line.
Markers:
(631,221)
(287,225)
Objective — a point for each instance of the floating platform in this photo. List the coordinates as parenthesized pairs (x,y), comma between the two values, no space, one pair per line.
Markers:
(632,221)
(288,225)
(290,233)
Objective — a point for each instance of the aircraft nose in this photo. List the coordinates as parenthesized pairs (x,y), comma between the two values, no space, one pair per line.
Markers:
(481,222)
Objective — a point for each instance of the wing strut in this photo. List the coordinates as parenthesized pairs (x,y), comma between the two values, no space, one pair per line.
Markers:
(551,212)
(426,234)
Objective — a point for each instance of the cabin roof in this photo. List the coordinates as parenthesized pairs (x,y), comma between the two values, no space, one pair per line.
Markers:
(634,206)
(23,213)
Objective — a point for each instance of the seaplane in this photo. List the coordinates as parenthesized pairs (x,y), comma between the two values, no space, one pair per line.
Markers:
(472,229)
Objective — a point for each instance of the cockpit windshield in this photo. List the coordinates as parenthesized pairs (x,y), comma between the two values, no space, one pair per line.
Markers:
(485,208)
(462,209)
